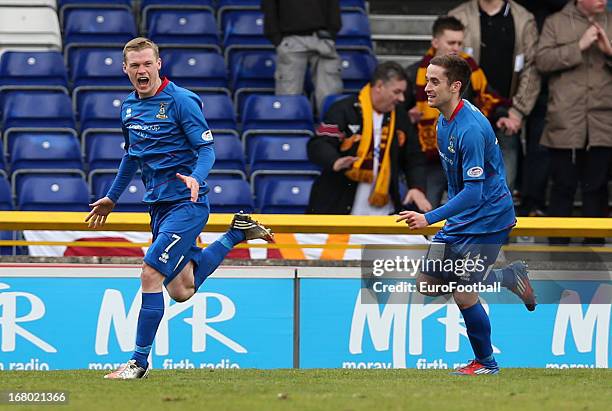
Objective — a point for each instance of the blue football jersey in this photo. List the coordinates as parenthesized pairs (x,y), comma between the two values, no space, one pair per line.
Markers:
(163,134)
(469,152)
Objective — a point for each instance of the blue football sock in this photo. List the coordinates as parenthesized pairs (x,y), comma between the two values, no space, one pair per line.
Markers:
(232,237)
(209,258)
(479,332)
(151,313)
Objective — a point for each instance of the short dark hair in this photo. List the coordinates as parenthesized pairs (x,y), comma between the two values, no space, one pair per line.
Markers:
(455,68)
(446,23)
(387,71)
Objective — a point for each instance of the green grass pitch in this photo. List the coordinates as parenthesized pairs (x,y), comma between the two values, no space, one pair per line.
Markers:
(336,389)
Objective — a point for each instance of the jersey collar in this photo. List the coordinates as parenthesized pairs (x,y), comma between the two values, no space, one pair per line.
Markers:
(164,83)
(456,111)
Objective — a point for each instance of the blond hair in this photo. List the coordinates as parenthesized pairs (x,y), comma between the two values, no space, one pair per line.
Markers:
(138,44)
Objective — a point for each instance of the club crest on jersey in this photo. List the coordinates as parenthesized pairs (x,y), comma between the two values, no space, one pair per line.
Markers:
(451,144)
(161,114)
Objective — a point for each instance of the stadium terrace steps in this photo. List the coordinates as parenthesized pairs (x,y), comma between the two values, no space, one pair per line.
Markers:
(401,30)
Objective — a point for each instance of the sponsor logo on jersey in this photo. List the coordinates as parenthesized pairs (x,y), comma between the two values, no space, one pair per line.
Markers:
(354,128)
(128,112)
(475,172)
(161,114)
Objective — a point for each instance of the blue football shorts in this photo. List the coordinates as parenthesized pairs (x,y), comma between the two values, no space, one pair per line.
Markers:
(175,228)
(463,258)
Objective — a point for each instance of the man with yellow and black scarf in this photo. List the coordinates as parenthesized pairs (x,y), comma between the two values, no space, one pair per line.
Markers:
(362,145)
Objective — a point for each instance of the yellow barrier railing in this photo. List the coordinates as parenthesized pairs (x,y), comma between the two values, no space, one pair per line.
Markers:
(332,224)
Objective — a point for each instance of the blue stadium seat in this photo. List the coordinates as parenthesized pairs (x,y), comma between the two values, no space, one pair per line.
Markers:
(98,67)
(330,100)
(15,134)
(277,113)
(104,150)
(49,151)
(252,73)
(80,3)
(100,108)
(37,109)
(98,25)
(355,31)
(148,6)
(278,152)
(52,192)
(194,69)
(240,99)
(353,5)
(229,195)
(229,154)
(228,5)
(184,27)
(238,3)
(130,200)
(33,68)
(2,162)
(243,30)
(6,198)
(357,68)
(253,69)
(244,4)
(219,111)
(283,195)
(11,250)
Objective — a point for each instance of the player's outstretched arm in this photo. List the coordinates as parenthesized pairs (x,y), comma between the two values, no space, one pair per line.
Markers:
(413,219)
(100,210)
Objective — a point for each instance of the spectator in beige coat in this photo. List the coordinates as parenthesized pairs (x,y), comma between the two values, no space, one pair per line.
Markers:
(575,51)
(502,37)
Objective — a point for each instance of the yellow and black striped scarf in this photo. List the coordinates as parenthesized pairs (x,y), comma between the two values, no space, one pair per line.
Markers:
(362,169)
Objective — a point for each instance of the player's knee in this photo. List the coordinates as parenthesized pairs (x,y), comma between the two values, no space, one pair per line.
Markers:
(180,295)
(150,278)
(465,300)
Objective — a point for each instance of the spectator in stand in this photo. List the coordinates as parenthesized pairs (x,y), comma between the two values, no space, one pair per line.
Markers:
(576,53)
(502,36)
(304,33)
(536,164)
(362,145)
(448,34)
